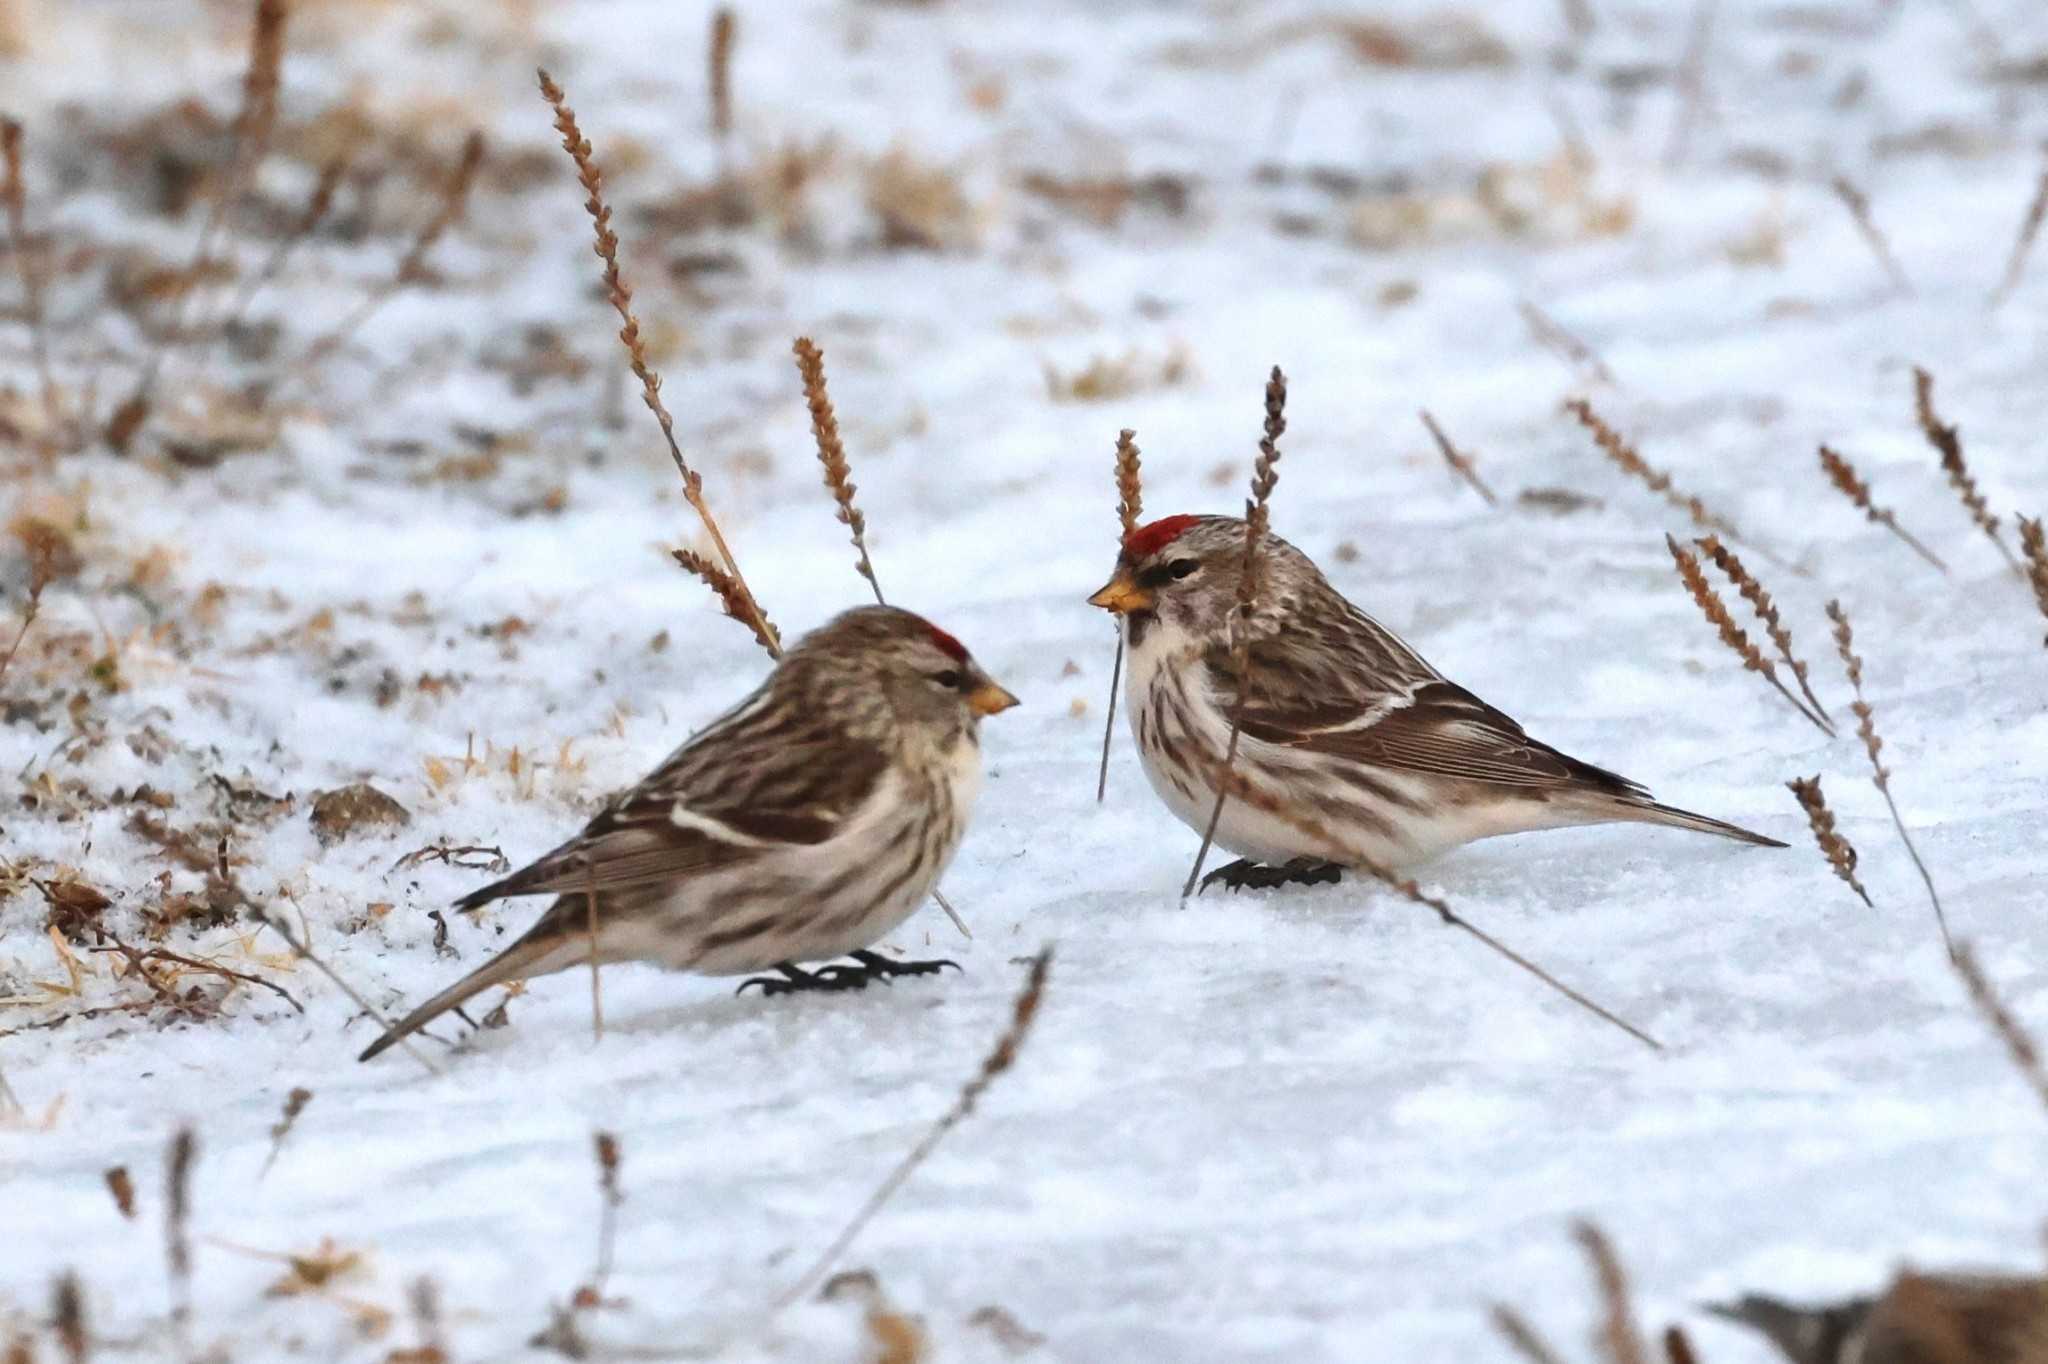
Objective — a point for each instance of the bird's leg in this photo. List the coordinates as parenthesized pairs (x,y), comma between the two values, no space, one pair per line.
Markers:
(879,967)
(1302,871)
(796,979)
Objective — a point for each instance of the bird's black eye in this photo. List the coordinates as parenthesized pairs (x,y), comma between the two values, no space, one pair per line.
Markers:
(1180,568)
(951,678)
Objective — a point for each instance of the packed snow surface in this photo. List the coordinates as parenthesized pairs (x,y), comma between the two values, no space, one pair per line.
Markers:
(1311,1123)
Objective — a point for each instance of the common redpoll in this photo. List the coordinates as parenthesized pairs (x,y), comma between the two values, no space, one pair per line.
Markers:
(1345,724)
(1921,1319)
(807,823)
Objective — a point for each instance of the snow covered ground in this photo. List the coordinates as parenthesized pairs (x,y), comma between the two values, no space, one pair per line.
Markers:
(1308,1124)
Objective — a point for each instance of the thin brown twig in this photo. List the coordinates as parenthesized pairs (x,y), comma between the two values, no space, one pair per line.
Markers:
(412,267)
(724,29)
(1621,1341)
(1130,505)
(276,924)
(1348,855)
(1460,462)
(67,1315)
(1630,461)
(606,1147)
(1550,332)
(14,195)
(731,597)
(2035,547)
(307,223)
(1866,730)
(1766,611)
(1949,445)
(41,568)
(810,363)
(177,1227)
(2019,1044)
(2023,244)
(137,957)
(1840,853)
(294,1104)
(1844,476)
(1023,1011)
(1858,205)
(1256,517)
(1517,1331)
(1734,636)
(621,299)
(254,122)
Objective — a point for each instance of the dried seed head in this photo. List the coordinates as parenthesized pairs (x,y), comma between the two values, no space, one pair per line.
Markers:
(1840,854)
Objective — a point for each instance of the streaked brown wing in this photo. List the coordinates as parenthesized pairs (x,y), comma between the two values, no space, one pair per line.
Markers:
(771,779)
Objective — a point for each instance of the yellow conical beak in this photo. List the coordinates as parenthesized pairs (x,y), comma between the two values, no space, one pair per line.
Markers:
(1122,595)
(990,699)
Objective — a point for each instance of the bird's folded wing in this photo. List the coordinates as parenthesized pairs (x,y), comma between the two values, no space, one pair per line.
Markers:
(701,811)
(1436,728)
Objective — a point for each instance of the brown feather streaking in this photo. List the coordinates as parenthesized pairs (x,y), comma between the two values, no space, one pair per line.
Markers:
(1866,730)
(1843,475)
(621,299)
(1130,505)
(1731,634)
(1840,853)
(810,362)
(1460,462)
(1948,444)
(2026,1055)
(14,197)
(1858,205)
(1337,849)
(1256,518)
(2035,546)
(1766,610)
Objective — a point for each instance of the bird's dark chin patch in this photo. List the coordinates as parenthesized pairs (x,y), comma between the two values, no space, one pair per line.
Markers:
(1138,624)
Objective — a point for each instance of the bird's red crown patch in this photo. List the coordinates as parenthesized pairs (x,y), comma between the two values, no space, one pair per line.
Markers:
(948,645)
(1146,541)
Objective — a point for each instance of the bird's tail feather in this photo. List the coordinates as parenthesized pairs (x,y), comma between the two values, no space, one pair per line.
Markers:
(1651,812)
(533,955)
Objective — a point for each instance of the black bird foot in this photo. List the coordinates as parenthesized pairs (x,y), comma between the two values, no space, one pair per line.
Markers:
(880,968)
(1301,871)
(796,980)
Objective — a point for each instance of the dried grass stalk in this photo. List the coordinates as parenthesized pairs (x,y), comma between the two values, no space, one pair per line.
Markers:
(810,362)
(67,1316)
(1631,462)
(2019,1044)
(41,569)
(1256,518)
(2023,243)
(1023,1012)
(2035,547)
(1766,611)
(1840,853)
(1130,506)
(294,1104)
(412,267)
(606,1148)
(254,122)
(1692,83)
(621,298)
(1460,462)
(1948,444)
(277,925)
(14,197)
(1858,205)
(1843,475)
(730,596)
(724,28)
(1678,1347)
(1516,1330)
(1731,634)
(178,1224)
(1348,855)
(1866,730)
(303,227)
(1549,332)
(121,1188)
(1621,1341)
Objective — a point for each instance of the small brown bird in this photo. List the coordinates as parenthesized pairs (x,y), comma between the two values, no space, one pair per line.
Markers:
(807,823)
(1921,1319)
(1344,722)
